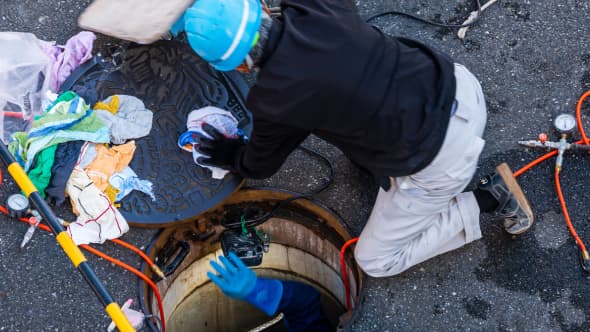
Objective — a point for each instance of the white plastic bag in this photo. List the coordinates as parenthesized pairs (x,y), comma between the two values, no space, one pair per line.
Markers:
(24,69)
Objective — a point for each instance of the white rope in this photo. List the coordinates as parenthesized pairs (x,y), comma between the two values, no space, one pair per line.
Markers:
(268,324)
(461,33)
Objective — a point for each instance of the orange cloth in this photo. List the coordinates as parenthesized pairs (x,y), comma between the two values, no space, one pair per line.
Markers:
(109,161)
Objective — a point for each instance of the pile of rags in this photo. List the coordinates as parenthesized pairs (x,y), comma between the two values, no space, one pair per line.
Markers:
(66,153)
(104,173)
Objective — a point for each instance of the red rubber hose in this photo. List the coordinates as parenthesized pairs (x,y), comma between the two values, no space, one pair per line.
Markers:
(343,267)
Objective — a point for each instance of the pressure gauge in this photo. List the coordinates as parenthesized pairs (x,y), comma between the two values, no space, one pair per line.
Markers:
(565,123)
(18,205)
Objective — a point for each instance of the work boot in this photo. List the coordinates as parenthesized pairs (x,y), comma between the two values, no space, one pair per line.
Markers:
(513,205)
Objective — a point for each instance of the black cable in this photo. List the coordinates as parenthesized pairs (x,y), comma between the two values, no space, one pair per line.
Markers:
(319,156)
(158,320)
(423,20)
(262,219)
(259,220)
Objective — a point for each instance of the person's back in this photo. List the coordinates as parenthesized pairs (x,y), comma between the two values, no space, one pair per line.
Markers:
(384,101)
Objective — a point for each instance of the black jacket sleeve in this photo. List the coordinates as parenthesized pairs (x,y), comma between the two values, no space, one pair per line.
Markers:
(267,149)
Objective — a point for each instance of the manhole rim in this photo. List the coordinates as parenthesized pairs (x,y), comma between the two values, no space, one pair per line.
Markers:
(258,194)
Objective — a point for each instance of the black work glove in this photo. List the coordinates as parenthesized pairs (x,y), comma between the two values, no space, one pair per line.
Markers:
(220,150)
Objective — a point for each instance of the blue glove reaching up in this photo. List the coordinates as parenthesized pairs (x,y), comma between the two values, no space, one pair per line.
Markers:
(238,281)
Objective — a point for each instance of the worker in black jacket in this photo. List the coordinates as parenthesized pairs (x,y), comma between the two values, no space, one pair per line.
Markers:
(400,109)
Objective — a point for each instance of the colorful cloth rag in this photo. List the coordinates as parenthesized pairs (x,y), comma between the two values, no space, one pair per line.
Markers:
(109,161)
(65,59)
(66,96)
(126,181)
(126,116)
(112,105)
(221,119)
(40,174)
(66,156)
(98,220)
(67,120)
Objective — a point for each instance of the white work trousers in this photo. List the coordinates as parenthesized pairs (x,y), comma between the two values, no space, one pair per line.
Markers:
(427,214)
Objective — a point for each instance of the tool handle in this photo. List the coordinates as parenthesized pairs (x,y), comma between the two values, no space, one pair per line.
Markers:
(65,241)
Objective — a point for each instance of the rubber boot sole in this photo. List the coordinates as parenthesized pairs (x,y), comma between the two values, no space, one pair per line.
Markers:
(513,186)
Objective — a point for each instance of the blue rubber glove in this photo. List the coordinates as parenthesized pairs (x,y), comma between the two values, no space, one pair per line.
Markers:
(238,281)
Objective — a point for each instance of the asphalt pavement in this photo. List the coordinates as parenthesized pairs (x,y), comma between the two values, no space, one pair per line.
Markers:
(533,60)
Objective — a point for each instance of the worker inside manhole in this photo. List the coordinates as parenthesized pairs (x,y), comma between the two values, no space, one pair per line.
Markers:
(296,301)
(282,274)
(240,299)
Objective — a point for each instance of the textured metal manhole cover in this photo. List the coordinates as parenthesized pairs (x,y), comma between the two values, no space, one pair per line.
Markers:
(172,81)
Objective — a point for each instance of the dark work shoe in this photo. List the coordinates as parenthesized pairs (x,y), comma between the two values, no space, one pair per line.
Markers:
(513,205)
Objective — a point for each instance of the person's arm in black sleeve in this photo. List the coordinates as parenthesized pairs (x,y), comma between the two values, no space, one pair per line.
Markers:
(268,148)
(300,303)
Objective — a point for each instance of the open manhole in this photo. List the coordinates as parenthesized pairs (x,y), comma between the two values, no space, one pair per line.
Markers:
(305,246)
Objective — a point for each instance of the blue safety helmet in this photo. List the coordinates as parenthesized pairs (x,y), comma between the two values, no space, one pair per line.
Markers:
(222,32)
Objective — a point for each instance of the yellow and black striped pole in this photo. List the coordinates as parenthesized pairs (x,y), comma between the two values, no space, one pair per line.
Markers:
(65,241)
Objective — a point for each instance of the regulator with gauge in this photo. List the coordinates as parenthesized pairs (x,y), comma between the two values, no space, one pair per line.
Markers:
(17,205)
(565,123)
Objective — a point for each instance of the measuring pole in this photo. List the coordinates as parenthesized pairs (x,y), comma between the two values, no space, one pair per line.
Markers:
(65,241)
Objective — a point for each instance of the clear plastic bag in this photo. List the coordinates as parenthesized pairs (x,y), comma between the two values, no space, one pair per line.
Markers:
(24,72)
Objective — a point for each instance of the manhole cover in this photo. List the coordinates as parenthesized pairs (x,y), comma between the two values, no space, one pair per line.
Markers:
(172,81)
